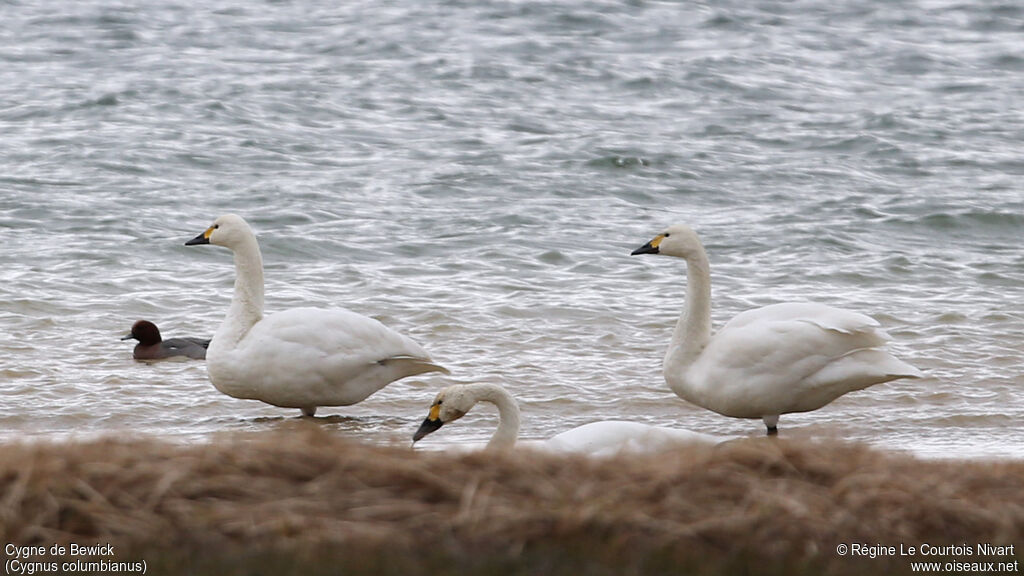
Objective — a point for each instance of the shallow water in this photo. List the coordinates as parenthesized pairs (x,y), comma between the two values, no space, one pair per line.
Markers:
(475,174)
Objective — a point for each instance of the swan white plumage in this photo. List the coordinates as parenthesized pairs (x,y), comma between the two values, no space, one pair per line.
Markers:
(605,438)
(769,361)
(303,357)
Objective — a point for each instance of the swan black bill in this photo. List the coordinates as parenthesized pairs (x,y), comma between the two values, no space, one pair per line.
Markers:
(201,239)
(648,248)
(427,427)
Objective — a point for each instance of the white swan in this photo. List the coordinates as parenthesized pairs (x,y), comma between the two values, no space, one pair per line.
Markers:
(299,358)
(603,438)
(768,361)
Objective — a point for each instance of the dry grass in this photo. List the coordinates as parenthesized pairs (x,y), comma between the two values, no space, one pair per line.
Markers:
(310,503)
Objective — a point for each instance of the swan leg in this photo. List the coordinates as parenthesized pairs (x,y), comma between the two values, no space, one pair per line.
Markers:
(309,411)
(771,422)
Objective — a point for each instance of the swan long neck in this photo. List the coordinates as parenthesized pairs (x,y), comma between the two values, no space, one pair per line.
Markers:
(508,414)
(693,330)
(247,303)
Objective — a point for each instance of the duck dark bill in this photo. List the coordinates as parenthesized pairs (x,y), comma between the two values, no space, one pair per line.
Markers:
(427,427)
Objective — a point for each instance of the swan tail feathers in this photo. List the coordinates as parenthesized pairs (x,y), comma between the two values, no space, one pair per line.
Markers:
(411,366)
(862,368)
(888,364)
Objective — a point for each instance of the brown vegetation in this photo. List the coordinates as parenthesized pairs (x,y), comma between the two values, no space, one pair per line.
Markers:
(310,503)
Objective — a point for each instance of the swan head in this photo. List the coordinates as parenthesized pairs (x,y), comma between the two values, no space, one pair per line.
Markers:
(449,405)
(678,240)
(230,230)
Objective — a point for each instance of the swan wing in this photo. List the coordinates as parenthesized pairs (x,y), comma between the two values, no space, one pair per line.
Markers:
(337,333)
(611,437)
(821,315)
(792,358)
(325,357)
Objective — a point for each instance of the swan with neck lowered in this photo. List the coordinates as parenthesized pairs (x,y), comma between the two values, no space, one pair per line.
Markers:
(765,362)
(302,357)
(604,438)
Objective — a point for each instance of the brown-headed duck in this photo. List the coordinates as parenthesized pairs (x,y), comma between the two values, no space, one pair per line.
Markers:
(152,347)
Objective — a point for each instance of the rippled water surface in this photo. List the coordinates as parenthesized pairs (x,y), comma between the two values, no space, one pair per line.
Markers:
(475,175)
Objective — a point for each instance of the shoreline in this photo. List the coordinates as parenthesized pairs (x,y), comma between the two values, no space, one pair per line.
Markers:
(307,502)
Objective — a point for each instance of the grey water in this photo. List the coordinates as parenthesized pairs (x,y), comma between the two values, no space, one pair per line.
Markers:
(475,175)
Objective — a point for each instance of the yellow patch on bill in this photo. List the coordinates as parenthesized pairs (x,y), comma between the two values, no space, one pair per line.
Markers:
(435,412)
(657,240)
(208,232)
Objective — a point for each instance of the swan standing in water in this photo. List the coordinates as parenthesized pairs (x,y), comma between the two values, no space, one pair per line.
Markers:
(604,438)
(303,357)
(768,361)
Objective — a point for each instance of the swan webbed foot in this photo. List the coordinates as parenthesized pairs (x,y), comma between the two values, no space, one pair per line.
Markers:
(773,430)
(309,411)
(771,423)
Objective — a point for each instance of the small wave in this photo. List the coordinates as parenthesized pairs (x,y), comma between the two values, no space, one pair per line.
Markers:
(973,219)
(617,161)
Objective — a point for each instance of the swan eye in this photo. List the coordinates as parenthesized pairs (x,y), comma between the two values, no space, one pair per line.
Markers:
(665,235)
(657,240)
(215,226)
